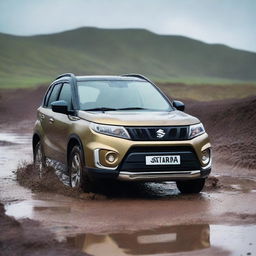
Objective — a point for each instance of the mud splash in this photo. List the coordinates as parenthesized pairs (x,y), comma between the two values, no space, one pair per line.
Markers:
(50,182)
(56,181)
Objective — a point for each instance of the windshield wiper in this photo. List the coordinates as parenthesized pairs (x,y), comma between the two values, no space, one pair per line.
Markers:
(133,108)
(114,109)
(100,109)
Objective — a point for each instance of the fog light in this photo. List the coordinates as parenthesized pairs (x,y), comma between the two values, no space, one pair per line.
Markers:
(111,157)
(206,156)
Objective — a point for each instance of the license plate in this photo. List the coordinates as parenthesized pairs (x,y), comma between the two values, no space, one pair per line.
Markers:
(163,160)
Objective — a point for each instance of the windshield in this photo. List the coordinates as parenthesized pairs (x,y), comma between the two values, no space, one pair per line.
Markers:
(120,95)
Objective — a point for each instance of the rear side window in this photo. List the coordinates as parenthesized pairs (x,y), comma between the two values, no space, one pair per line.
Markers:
(54,95)
(65,94)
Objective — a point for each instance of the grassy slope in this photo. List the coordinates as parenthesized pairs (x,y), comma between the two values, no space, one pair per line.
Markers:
(25,61)
(206,92)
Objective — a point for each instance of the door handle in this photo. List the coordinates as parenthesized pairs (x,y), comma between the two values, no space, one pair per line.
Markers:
(51,120)
(42,116)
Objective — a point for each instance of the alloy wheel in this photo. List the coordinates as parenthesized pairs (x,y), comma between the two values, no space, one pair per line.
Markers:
(75,171)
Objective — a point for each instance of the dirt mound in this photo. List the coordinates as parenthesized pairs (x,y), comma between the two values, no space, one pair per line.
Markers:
(231,119)
(231,127)
(27,177)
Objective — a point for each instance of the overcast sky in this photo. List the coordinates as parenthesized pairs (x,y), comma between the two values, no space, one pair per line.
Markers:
(231,22)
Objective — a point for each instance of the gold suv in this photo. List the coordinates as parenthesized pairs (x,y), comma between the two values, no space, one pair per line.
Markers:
(120,127)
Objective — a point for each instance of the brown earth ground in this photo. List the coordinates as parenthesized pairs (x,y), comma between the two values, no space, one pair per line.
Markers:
(231,126)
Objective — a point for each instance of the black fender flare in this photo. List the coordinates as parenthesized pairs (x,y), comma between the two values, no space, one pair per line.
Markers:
(77,138)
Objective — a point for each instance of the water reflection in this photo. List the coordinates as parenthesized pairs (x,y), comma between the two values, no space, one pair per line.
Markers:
(154,242)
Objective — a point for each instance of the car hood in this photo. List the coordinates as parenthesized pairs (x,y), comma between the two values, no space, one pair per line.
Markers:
(139,118)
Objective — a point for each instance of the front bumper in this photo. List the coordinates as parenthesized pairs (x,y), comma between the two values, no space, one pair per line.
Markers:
(149,176)
(160,176)
(156,175)
(165,176)
(131,164)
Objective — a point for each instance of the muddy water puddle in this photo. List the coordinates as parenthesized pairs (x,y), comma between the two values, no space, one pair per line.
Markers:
(231,240)
(67,219)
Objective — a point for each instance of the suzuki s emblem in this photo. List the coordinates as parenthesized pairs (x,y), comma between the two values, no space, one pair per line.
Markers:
(160,133)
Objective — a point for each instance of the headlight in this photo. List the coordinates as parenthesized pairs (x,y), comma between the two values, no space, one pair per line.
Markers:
(116,131)
(195,130)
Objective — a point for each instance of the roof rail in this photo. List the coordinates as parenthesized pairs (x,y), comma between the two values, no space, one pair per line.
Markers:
(63,75)
(138,76)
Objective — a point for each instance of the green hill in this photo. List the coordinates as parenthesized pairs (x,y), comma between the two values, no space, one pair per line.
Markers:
(25,61)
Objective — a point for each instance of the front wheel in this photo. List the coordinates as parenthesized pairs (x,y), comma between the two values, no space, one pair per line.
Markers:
(190,186)
(77,176)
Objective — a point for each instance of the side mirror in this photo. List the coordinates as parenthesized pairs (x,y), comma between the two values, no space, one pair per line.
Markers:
(60,106)
(179,105)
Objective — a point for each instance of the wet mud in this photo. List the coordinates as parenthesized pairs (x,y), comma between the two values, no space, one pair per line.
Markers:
(138,219)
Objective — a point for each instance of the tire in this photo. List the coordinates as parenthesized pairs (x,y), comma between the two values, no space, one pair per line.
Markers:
(190,186)
(78,177)
(39,160)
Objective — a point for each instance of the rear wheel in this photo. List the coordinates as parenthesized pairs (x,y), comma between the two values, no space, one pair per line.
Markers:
(39,159)
(190,186)
(77,174)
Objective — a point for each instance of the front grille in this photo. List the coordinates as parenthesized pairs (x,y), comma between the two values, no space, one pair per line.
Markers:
(134,161)
(161,133)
